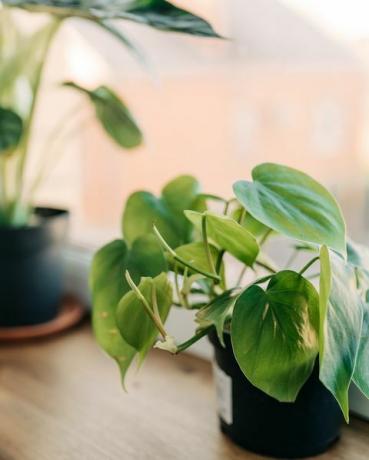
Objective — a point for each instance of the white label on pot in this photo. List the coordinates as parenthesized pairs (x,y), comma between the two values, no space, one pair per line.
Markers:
(223,385)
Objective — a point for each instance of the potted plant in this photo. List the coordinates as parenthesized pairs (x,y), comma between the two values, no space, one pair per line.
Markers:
(30,237)
(286,349)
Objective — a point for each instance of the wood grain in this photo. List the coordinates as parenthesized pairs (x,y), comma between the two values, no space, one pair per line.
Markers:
(61,399)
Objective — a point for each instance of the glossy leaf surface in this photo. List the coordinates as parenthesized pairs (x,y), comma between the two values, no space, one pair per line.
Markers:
(275,334)
(294,204)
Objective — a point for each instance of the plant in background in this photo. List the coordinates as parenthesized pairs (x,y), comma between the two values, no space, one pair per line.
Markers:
(22,60)
(280,324)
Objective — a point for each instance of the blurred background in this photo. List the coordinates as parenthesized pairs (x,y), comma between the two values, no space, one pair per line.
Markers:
(290,85)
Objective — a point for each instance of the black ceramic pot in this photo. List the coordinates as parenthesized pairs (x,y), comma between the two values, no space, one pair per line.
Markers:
(261,424)
(31,269)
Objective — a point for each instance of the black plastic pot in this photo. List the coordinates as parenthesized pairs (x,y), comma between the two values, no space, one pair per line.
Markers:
(31,269)
(261,424)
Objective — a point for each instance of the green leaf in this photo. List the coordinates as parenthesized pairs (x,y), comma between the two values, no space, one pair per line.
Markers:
(216,312)
(294,204)
(159,14)
(108,285)
(275,334)
(232,237)
(11,128)
(178,195)
(341,333)
(357,255)
(361,373)
(146,258)
(227,234)
(134,323)
(106,280)
(254,226)
(143,210)
(113,115)
(195,254)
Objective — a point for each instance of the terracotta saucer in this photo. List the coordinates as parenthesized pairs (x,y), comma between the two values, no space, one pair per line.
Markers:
(71,312)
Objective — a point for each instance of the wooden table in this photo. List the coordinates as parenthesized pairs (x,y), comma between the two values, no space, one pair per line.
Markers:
(61,399)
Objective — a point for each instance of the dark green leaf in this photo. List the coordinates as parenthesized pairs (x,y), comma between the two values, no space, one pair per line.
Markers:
(11,128)
(294,204)
(114,115)
(134,323)
(341,331)
(159,14)
(275,334)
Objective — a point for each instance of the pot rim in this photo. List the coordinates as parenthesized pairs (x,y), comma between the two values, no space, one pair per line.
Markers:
(44,214)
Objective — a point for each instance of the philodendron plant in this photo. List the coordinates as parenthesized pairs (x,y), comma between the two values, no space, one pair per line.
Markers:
(172,254)
(22,62)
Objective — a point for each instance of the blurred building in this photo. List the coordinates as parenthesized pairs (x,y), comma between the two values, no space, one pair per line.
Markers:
(279,90)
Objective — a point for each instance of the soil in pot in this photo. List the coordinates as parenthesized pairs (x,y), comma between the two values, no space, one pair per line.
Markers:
(31,269)
(261,424)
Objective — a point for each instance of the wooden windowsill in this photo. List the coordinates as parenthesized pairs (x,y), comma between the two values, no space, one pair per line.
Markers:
(61,399)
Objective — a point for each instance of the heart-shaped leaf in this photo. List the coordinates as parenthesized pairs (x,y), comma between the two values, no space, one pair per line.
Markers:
(341,332)
(143,210)
(216,312)
(180,194)
(227,234)
(275,334)
(159,14)
(108,285)
(361,373)
(294,204)
(106,280)
(114,115)
(11,128)
(134,323)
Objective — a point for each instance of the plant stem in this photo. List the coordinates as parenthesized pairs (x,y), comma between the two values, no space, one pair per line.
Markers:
(148,309)
(265,266)
(291,258)
(36,87)
(265,236)
(242,215)
(308,265)
(241,275)
(218,264)
(182,261)
(199,335)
